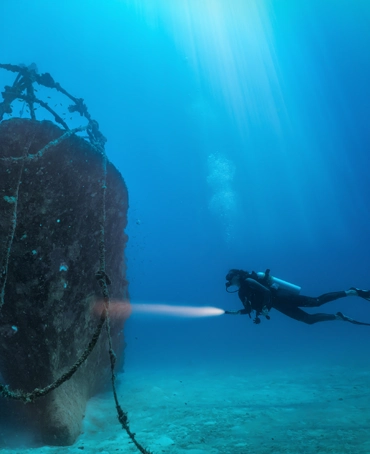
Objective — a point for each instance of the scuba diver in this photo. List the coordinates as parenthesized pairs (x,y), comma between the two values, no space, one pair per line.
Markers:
(260,292)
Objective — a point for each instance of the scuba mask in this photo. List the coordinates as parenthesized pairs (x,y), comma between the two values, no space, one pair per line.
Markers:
(229,278)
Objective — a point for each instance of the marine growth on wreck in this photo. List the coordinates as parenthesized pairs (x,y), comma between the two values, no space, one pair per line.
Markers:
(63,212)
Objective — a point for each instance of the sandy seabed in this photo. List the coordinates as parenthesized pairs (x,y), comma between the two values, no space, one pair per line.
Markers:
(224,410)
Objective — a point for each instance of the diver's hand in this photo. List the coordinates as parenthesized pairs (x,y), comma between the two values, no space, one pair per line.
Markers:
(232,312)
(257,321)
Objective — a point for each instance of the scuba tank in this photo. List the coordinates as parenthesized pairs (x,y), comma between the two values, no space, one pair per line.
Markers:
(278,284)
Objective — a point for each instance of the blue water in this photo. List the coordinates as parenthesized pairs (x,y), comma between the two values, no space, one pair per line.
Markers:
(242,131)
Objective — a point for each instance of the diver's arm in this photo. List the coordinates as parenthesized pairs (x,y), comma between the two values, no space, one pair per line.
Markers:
(240,312)
(252,283)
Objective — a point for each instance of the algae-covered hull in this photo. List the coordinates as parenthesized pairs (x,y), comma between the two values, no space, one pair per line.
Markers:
(51,298)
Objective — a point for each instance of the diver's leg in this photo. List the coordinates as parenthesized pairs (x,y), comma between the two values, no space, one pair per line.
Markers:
(302,316)
(327,297)
(310,319)
(293,301)
(308,301)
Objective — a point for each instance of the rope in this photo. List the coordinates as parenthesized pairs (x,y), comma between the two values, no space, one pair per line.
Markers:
(13,226)
(54,143)
(104,281)
(36,393)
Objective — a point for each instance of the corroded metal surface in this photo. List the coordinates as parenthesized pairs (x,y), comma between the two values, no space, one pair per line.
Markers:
(51,293)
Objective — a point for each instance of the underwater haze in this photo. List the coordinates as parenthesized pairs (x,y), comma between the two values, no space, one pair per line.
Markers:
(241,128)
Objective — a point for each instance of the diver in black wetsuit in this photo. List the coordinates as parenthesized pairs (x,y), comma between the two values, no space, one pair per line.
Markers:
(260,292)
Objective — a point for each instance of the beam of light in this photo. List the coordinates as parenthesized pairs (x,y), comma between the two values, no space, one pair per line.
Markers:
(176,311)
(121,310)
(274,96)
(230,47)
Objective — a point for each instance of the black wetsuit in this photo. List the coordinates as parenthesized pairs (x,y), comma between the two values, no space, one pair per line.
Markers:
(260,298)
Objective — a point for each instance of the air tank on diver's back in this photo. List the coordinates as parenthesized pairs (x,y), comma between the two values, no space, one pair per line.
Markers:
(279,284)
